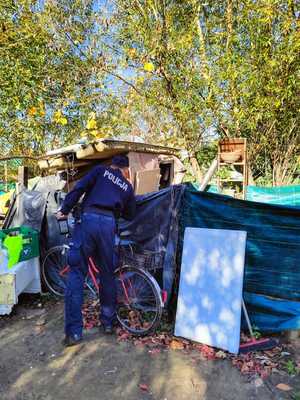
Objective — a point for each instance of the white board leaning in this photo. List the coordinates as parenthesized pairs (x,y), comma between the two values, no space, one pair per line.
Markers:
(211,286)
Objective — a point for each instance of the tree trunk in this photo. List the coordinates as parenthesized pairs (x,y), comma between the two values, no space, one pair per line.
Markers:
(196,169)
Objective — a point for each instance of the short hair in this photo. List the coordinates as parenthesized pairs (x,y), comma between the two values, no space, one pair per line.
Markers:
(120,161)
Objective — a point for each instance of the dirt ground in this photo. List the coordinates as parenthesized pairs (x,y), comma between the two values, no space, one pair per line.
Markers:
(35,366)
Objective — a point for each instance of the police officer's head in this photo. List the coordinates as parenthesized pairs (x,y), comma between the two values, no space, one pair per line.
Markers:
(121,162)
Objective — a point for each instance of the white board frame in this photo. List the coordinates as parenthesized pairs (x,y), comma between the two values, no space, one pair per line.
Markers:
(211,286)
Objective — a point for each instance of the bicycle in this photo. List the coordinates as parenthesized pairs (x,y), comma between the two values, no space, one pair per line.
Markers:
(140,300)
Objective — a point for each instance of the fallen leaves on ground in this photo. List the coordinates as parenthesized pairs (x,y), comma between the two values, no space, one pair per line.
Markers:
(154,351)
(284,387)
(144,387)
(176,345)
(259,364)
(90,314)
(39,329)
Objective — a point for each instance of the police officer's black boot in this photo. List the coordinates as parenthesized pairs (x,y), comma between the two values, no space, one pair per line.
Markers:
(108,330)
(69,341)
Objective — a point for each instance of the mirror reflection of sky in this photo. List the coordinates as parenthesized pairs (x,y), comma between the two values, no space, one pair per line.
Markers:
(211,284)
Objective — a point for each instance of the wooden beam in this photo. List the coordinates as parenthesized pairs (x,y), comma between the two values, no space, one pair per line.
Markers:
(23,176)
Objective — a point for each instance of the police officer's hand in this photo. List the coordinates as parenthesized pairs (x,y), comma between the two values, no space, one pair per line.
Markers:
(127,174)
(60,215)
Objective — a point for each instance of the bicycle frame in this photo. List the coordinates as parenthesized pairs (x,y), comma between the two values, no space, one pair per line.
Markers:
(93,270)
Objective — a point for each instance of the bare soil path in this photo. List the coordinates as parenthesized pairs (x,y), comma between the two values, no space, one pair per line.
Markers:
(35,366)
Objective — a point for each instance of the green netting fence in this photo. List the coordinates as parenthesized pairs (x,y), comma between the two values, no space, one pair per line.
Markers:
(284,195)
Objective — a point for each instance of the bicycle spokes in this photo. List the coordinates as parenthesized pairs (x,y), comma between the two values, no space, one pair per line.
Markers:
(137,302)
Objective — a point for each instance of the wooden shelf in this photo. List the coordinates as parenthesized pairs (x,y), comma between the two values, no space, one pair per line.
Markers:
(229,145)
(231,180)
(231,163)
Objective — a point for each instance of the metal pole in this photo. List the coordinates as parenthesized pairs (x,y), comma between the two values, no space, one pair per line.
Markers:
(247,318)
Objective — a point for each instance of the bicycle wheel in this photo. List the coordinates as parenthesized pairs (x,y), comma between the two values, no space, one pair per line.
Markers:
(139,303)
(55,268)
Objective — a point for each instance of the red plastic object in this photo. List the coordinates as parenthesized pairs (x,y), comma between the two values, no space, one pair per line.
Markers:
(164,296)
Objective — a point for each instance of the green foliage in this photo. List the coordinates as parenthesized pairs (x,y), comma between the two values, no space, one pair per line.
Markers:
(264,180)
(176,72)
(231,66)
(224,172)
(291,367)
(256,332)
(207,153)
(52,75)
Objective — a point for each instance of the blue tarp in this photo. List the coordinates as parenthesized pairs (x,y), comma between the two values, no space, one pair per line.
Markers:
(272,315)
(272,265)
(284,195)
(155,231)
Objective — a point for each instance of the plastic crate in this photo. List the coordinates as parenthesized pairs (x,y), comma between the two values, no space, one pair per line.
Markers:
(30,241)
(24,277)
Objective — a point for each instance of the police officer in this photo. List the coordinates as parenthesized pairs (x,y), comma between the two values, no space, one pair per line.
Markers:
(106,190)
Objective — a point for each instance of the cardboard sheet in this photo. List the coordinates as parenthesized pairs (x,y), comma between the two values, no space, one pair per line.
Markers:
(147,181)
(211,284)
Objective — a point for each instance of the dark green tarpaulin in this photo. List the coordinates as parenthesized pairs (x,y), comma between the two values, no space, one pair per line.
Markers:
(273,245)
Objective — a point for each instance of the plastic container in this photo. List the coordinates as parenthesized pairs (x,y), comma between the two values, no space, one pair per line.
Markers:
(231,157)
(30,237)
(3,260)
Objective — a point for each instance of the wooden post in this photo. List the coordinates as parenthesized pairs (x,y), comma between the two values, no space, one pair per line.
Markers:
(21,185)
(23,177)
(209,175)
(5,175)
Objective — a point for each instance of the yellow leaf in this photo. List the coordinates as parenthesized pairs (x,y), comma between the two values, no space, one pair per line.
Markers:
(63,121)
(277,103)
(132,52)
(92,115)
(57,115)
(91,124)
(32,111)
(148,67)
(101,135)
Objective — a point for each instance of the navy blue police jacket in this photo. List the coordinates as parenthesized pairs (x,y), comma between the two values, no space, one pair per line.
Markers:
(103,187)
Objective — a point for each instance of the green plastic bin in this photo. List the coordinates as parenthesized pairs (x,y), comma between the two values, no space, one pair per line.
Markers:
(30,236)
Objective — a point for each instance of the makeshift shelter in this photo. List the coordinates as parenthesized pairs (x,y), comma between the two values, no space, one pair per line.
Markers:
(152,167)
(272,271)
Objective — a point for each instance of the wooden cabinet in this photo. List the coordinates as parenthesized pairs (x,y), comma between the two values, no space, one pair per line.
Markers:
(232,153)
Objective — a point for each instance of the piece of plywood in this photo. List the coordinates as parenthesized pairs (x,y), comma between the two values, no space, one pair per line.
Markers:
(61,163)
(211,285)
(147,181)
(7,289)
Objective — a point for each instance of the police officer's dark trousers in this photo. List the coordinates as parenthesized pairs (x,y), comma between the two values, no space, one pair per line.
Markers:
(93,237)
